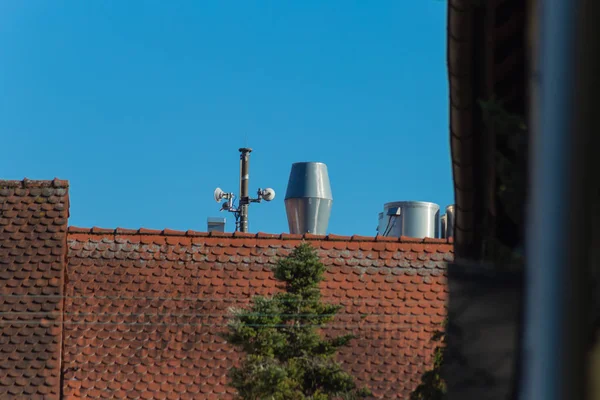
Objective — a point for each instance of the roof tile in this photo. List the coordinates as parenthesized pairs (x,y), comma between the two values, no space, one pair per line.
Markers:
(406,239)
(205,276)
(381,238)
(95,229)
(357,238)
(291,236)
(310,236)
(146,306)
(145,231)
(262,235)
(33,246)
(339,238)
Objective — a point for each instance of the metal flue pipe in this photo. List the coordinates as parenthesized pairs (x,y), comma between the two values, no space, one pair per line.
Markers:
(308,198)
(244,193)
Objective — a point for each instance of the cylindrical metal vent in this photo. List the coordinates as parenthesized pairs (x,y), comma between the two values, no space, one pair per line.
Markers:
(443,226)
(308,198)
(379,222)
(417,219)
(450,221)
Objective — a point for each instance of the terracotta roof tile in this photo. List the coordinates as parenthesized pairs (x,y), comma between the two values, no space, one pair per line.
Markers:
(33,234)
(144,316)
(261,235)
(143,308)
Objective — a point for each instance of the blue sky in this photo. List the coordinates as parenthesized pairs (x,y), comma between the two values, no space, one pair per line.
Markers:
(142,105)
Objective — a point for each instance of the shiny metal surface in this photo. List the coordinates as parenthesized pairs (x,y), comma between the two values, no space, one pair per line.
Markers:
(450,221)
(418,219)
(443,226)
(308,199)
(379,222)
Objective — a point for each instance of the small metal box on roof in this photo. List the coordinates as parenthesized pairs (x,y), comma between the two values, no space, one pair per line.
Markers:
(215,224)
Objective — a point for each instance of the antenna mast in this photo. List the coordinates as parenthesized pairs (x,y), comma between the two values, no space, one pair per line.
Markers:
(241,211)
(244,181)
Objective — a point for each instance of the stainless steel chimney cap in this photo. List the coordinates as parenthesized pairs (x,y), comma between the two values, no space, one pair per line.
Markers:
(308,198)
(309,179)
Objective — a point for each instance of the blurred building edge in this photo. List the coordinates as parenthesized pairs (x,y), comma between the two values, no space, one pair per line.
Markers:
(588,144)
(487,63)
(481,356)
(487,67)
(493,55)
(566,171)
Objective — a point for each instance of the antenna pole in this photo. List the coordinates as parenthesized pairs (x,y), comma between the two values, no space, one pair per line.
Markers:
(241,211)
(244,194)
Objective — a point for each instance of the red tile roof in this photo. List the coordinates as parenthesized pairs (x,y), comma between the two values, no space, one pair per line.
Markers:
(143,308)
(33,236)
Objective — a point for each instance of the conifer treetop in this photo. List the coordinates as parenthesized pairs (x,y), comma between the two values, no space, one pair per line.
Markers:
(286,358)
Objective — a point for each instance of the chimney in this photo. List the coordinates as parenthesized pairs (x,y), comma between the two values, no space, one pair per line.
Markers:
(450,221)
(444,226)
(308,198)
(216,224)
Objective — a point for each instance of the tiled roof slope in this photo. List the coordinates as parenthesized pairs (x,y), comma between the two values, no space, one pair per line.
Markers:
(144,308)
(33,236)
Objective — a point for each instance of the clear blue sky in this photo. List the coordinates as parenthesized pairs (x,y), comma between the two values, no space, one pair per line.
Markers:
(142,105)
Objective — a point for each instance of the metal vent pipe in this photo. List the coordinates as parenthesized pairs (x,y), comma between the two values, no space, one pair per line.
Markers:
(450,221)
(308,198)
(417,219)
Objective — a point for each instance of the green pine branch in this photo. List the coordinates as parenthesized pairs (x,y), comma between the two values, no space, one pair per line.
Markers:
(286,358)
(433,386)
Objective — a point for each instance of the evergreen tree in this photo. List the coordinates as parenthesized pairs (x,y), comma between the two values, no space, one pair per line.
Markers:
(433,386)
(285,356)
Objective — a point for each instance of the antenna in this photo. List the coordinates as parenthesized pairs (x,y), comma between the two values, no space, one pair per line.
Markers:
(241,211)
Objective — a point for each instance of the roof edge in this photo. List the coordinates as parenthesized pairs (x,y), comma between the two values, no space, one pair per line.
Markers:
(259,235)
(29,183)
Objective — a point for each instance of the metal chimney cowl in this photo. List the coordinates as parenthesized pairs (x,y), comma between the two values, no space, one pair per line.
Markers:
(417,219)
(308,198)
(443,226)
(450,221)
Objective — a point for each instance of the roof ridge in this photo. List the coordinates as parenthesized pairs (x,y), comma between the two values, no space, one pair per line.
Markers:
(259,235)
(29,183)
